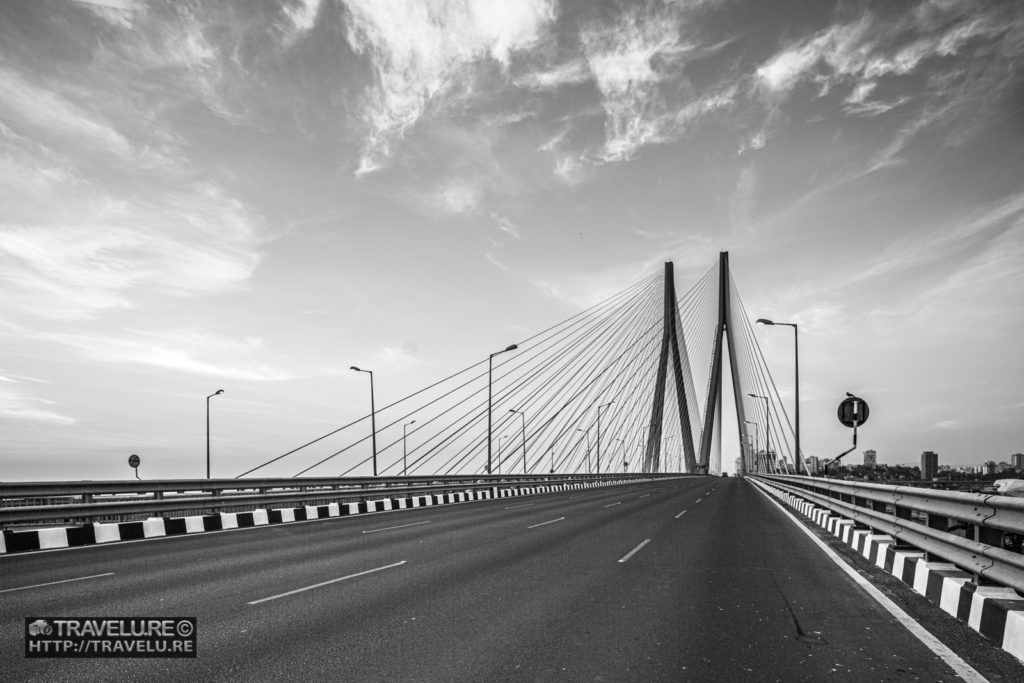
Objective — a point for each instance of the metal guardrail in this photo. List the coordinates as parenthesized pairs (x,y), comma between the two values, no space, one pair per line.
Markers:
(84,501)
(969,530)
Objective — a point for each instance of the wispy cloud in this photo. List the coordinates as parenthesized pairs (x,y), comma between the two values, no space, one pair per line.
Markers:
(398,358)
(117,12)
(98,255)
(493,260)
(188,351)
(303,14)
(963,232)
(572,72)
(17,402)
(416,48)
(49,114)
(870,48)
(506,225)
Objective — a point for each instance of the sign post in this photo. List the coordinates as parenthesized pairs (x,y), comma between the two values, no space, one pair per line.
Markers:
(134,461)
(853,412)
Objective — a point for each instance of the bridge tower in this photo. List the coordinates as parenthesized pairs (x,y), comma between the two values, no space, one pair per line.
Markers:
(671,343)
(723,330)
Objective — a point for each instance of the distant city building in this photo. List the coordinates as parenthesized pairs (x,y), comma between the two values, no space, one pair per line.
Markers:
(929,465)
(870,458)
(1018,461)
(1004,467)
(990,467)
(813,463)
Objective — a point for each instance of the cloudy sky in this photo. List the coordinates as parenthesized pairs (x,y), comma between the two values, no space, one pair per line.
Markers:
(253,196)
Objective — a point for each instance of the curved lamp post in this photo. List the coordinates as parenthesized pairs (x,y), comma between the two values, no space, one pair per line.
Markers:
(216,393)
(586,433)
(768,427)
(796,366)
(599,434)
(756,459)
(405,463)
(490,379)
(373,418)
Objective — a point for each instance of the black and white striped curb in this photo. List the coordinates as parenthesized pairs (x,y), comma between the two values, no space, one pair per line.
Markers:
(98,532)
(995,612)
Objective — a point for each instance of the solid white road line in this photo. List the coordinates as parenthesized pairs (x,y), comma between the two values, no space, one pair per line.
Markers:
(681,514)
(514,507)
(962,668)
(550,521)
(326,583)
(635,550)
(54,583)
(389,528)
(613,504)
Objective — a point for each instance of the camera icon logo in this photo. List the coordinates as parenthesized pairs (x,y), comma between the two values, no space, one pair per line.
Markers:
(40,627)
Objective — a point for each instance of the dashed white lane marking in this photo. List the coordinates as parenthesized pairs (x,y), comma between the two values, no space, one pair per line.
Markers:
(326,583)
(54,583)
(550,521)
(698,500)
(645,495)
(635,550)
(579,496)
(513,507)
(962,668)
(613,504)
(681,514)
(389,528)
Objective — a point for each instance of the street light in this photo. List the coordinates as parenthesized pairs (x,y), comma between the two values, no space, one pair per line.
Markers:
(405,464)
(768,428)
(522,415)
(756,459)
(599,434)
(219,391)
(796,366)
(640,443)
(373,418)
(586,433)
(490,375)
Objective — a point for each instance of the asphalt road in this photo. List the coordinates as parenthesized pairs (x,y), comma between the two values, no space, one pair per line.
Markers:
(700,579)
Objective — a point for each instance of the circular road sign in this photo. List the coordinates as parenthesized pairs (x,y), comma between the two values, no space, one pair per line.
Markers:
(853,411)
(133,461)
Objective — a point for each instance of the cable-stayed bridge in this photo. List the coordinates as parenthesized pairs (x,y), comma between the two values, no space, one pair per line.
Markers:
(551,512)
(632,384)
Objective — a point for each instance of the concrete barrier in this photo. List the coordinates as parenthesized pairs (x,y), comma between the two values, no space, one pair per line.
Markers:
(995,612)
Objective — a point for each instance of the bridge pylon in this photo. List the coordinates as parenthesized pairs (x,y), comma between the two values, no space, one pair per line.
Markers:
(723,330)
(671,343)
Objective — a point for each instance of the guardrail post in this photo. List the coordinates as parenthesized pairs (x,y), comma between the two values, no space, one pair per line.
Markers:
(937,522)
(988,536)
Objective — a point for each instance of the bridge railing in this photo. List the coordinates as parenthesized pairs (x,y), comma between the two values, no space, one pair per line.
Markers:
(24,503)
(979,532)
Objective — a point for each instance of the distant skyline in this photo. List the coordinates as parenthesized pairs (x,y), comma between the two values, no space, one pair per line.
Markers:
(256,196)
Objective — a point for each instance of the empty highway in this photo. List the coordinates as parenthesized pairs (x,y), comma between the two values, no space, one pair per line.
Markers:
(689,579)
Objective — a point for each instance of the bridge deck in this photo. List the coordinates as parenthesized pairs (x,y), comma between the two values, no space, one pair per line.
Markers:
(697,579)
